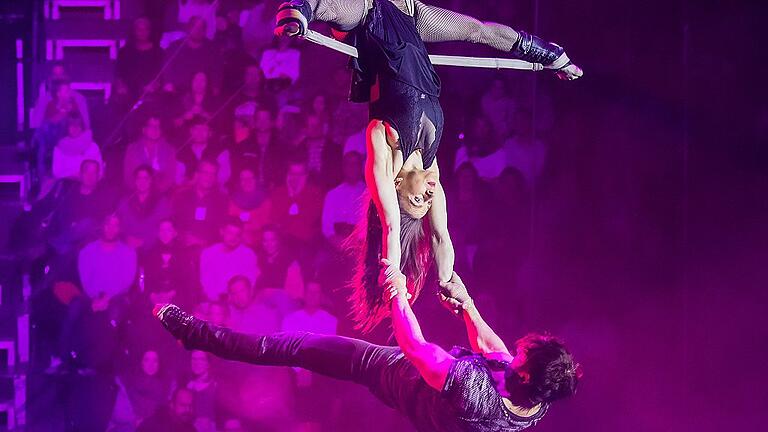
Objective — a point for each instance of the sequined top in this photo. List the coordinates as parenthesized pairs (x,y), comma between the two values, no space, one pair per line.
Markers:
(469,401)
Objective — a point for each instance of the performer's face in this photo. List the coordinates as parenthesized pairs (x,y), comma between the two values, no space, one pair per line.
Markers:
(416,190)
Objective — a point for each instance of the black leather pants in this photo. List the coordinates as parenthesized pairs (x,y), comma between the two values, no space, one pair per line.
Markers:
(333,356)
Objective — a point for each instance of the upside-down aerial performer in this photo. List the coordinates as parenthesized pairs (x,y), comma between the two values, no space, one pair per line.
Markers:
(394,74)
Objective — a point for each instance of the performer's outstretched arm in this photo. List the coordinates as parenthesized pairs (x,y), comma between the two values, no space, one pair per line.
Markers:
(381,186)
(441,237)
(432,362)
(481,336)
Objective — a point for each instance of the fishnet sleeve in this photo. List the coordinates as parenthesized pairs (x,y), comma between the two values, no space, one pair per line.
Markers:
(341,14)
(441,25)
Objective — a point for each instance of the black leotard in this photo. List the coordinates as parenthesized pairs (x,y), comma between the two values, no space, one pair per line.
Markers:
(394,74)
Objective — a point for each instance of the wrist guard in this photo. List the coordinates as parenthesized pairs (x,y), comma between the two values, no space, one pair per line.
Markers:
(295,11)
(533,49)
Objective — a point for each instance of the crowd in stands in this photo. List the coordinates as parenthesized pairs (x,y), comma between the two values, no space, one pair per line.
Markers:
(224,178)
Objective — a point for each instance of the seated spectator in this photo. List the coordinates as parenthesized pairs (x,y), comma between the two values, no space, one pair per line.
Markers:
(323,156)
(281,64)
(313,402)
(201,145)
(525,152)
(200,208)
(74,148)
(205,10)
(59,109)
(483,150)
(248,201)
(168,269)
(107,269)
(202,383)
(320,109)
(197,101)
(190,55)
(152,149)
(148,390)
(228,41)
(341,210)
(312,317)
(47,92)
(178,416)
(139,62)
(218,313)
(76,208)
(497,105)
(297,206)
(142,210)
(356,141)
(107,266)
(222,261)
(247,311)
(272,152)
(251,96)
(241,145)
(281,277)
(465,204)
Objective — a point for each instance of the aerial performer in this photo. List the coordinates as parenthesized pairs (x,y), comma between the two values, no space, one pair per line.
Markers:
(486,389)
(406,221)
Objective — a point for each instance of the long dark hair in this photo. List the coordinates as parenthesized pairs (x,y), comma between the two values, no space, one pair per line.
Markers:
(365,243)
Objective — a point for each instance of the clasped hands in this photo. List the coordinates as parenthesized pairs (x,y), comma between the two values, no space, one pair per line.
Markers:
(453,294)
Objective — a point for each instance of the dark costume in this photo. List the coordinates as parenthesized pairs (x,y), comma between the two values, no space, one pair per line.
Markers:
(468,401)
(393,72)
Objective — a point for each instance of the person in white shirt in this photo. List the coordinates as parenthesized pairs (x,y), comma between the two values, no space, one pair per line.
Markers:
(483,150)
(282,62)
(222,261)
(247,313)
(341,209)
(311,318)
(73,149)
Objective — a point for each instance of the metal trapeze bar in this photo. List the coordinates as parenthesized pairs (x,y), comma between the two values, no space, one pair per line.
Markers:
(443,60)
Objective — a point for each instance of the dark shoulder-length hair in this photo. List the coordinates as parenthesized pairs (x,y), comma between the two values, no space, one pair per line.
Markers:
(368,308)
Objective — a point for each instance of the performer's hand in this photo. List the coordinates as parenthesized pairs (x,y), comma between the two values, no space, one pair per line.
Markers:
(456,291)
(290,19)
(393,281)
(569,73)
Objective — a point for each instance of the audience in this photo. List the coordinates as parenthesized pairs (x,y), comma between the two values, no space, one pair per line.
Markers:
(323,156)
(297,206)
(341,210)
(248,313)
(147,389)
(178,416)
(201,145)
(142,210)
(222,261)
(204,386)
(107,266)
(200,208)
(74,148)
(190,55)
(281,278)
(153,150)
(196,102)
(139,61)
(248,201)
(168,269)
(47,92)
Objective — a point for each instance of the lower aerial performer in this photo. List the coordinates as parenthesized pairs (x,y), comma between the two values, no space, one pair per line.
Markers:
(480,390)
(406,220)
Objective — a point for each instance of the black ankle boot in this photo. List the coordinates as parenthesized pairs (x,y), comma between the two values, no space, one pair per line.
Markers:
(194,333)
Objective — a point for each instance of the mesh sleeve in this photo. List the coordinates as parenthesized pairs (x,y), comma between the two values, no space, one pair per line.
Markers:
(341,14)
(441,25)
